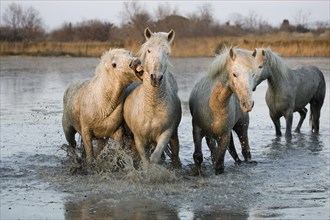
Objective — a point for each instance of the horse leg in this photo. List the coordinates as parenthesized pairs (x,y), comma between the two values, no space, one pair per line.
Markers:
(241,129)
(88,146)
(315,117)
(162,142)
(140,147)
(198,154)
(302,113)
(70,133)
(277,124)
(232,150)
(175,147)
(223,142)
(288,119)
(118,137)
(100,144)
(211,143)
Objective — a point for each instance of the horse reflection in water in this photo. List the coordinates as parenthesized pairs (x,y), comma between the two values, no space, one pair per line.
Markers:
(220,102)
(152,110)
(290,90)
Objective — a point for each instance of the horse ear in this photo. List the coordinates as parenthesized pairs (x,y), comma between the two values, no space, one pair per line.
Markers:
(254,52)
(147,33)
(170,36)
(232,54)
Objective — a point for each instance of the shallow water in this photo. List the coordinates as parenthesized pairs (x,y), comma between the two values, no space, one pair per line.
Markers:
(290,181)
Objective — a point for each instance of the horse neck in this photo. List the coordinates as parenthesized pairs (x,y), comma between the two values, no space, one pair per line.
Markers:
(220,94)
(154,96)
(278,74)
(275,79)
(110,95)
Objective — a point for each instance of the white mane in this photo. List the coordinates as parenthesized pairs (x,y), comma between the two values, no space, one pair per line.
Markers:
(219,65)
(105,58)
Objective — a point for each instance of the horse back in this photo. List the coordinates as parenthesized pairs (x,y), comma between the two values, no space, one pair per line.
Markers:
(311,85)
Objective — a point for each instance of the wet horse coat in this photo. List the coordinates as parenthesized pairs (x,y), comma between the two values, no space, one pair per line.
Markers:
(220,102)
(290,90)
(93,108)
(152,111)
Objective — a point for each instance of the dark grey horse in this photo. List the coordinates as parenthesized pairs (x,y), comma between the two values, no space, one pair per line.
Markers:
(290,90)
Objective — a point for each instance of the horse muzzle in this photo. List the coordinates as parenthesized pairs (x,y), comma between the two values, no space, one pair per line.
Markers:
(137,67)
(247,106)
(156,79)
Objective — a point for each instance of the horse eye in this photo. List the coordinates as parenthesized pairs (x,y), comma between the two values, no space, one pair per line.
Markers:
(260,67)
(149,51)
(114,65)
(234,74)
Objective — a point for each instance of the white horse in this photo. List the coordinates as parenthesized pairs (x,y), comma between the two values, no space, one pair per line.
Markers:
(152,111)
(219,103)
(290,90)
(93,108)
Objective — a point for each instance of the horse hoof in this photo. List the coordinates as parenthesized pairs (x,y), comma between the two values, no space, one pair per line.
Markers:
(177,165)
(219,171)
(252,162)
(238,162)
(196,171)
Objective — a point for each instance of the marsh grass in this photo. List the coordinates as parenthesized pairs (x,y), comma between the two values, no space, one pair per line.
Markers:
(285,44)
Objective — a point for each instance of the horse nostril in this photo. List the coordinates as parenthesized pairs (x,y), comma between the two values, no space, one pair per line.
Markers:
(160,78)
(131,64)
(134,63)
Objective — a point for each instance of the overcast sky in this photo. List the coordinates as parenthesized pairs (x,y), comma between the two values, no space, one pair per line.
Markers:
(55,13)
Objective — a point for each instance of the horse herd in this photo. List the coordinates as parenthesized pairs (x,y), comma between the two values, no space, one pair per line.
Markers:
(138,97)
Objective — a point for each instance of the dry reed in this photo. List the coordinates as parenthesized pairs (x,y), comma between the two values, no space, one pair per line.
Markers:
(285,44)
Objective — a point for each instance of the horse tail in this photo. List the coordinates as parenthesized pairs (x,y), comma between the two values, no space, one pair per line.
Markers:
(168,151)
(310,117)
(317,103)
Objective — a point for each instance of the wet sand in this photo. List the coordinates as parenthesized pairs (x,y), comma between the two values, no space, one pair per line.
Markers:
(290,181)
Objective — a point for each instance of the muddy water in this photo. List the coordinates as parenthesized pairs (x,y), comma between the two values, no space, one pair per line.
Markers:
(290,181)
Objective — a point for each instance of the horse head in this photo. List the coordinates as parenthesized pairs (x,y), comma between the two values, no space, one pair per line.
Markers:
(241,68)
(155,54)
(120,64)
(263,71)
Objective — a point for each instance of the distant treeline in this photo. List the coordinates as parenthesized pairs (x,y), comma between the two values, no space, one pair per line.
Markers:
(26,25)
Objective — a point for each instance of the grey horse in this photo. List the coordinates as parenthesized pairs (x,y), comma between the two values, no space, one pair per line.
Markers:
(220,102)
(290,90)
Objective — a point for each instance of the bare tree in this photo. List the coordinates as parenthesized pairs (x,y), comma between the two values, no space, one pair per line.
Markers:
(237,19)
(32,23)
(13,16)
(134,14)
(135,20)
(251,21)
(202,21)
(302,18)
(23,24)
(164,10)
